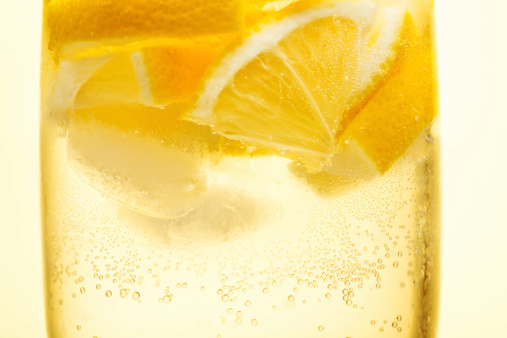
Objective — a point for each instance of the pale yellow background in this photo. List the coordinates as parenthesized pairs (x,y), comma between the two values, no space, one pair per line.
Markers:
(472,50)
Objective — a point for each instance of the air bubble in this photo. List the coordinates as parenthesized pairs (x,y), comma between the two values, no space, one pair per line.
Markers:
(248,303)
(328,295)
(166,299)
(265,290)
(82,290)
(255,322)
(123,293)
(290,298)
(225,298)
(136,295)
(321,328)
(78,327)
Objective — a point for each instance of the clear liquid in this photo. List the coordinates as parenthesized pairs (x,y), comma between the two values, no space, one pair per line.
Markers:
(265,253)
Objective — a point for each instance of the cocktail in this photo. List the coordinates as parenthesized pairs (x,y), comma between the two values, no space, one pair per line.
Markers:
(240,168)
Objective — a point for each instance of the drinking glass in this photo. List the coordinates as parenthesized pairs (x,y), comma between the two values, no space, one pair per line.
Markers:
(240,168)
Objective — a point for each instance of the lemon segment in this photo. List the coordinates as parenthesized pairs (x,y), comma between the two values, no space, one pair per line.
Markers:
(286,86)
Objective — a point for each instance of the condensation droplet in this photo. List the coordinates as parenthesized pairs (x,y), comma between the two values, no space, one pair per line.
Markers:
(398,318)
(373,322)
(394,324)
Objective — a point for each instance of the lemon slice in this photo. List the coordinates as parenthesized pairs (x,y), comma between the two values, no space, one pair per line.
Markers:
(286,86)
(85,27)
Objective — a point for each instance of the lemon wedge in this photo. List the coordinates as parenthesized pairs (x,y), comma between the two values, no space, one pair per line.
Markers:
(286,86)
(400,105)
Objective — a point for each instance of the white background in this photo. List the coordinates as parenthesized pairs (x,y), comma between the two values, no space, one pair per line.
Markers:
(472,51)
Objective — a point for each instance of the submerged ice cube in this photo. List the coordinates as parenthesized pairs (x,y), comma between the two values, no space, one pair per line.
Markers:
(141,157)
